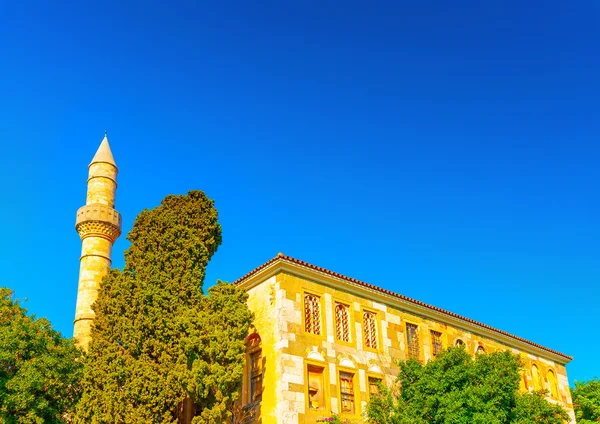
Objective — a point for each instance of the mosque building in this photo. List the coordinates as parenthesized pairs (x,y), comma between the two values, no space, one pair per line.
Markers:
(321,341)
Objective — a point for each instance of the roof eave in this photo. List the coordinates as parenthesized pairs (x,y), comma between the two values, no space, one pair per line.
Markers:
(293,266)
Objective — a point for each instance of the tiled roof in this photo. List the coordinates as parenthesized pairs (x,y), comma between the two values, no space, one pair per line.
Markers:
(282,257)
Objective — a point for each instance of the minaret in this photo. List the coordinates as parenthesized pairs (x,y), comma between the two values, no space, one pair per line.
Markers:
(98,225)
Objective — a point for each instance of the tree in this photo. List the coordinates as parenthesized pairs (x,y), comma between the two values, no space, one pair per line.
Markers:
(586,400)
(39,369)
(455,388)
(157,341)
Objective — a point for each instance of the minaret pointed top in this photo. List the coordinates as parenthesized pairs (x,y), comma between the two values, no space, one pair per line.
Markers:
(104,154)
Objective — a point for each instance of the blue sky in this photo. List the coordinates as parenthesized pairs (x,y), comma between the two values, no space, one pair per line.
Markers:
(444,150)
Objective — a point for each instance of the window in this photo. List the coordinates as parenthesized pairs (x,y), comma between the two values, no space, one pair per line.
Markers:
(535,376)
(347,392)
(553,384)
(412,340)
(255,368)
(480,349)
(436,342)
(370,329)
(459,343)
(374,386)
(312,314)
(316,388)
(342,322)
(256,376)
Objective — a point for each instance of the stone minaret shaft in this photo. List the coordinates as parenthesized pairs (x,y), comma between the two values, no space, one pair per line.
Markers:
(98,225)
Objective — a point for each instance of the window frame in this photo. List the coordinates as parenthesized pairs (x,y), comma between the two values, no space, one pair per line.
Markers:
(369,377)
(419,341)
(441,340)
(355,388)
(364,311)
(322,323)
(351,333)
(555,396)
(253,345)
(326,396)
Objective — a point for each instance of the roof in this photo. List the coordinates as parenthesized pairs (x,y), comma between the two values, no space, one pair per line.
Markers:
(283,259)
(103,154)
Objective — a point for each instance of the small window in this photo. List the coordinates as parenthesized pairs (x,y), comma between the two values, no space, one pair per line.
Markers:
(374,386)
(342,322)
(459,343)
(316,388)
(256,376)
(312,314)
(412,340)
(436,343)
(370,329)
(480,349)
(347,392)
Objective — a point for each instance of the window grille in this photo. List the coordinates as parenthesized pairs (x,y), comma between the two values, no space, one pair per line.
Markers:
(436,342)
(370,329)
(342,322)
(347,392)
(312,314)
(256,376)
(412,338)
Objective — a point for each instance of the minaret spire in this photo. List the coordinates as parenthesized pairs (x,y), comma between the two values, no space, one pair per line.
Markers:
(98,225)
(104,154)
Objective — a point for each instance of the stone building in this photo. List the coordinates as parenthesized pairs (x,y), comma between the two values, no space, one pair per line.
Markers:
(323,341)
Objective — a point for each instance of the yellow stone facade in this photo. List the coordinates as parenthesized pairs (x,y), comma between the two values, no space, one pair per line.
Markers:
(98,225)
(362,333)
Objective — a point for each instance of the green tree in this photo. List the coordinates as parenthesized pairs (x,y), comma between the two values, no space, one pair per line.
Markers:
(455,388)
(158,342)
(586,400)
(39,369)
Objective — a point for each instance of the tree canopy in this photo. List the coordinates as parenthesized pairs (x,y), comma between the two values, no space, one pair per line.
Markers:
(586,400)
(456,388)
(157,339)
(39,369)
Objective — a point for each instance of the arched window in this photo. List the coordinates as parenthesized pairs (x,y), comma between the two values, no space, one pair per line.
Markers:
(312,313)
(553,384)
(459,343)
(342,322)
(480,349)
(370,329)
(535,376)
(255,368)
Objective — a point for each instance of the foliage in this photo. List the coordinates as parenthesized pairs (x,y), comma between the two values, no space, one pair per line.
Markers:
(455,388)
(334,419)
(157,339)
(586,400)
(39,369)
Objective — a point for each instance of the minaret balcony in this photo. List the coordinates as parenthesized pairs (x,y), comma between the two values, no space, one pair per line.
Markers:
(98,219)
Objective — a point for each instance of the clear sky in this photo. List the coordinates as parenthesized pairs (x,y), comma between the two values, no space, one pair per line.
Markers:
(445,150)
